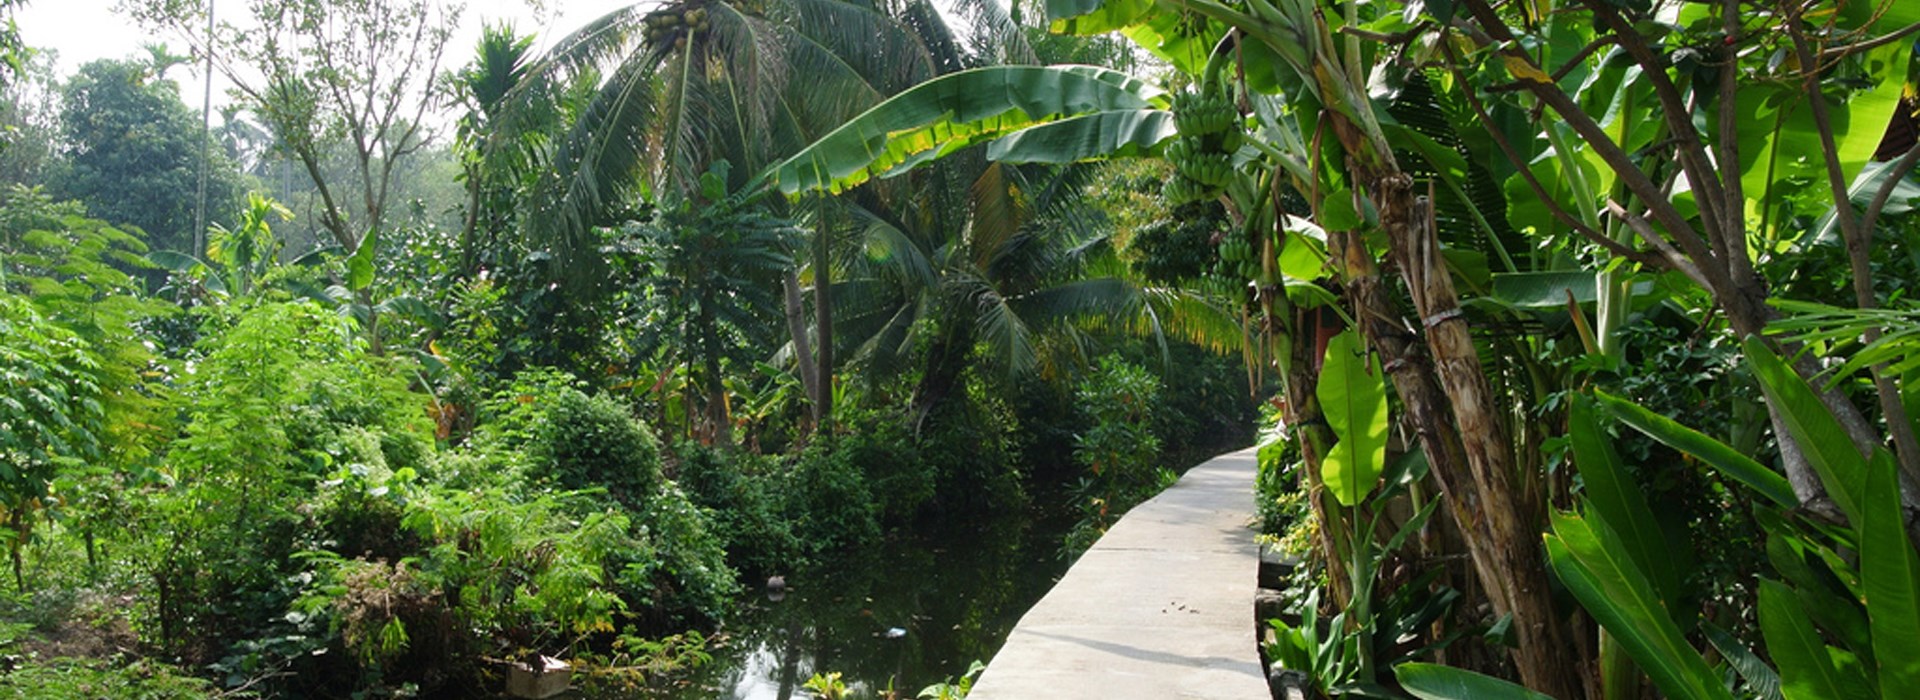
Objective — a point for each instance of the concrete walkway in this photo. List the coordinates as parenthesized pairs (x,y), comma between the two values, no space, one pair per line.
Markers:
(1161,607)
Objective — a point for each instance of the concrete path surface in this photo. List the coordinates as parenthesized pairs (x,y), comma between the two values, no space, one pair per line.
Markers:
(1160,608)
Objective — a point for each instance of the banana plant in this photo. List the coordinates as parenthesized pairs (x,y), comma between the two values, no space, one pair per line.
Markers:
(237,258)
(1836,625)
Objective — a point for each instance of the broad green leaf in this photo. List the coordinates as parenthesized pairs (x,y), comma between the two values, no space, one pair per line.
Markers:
(1739,467)
(1812,427)
(1184,41)
(1446,160)
(1807,668)
(1591,560)
(952,112)
(1436,682)
(1353,395)
(1778,139)
(1525,210)
(1861,192)
(1337,212)
(1761,679)
(173,261)
(360,264)
(1613,493)
(1890,577)
(1089,17)
(1544,290)
(1123,133)
(1304,257)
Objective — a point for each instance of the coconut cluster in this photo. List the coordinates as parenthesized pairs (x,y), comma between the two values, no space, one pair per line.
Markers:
(675,25)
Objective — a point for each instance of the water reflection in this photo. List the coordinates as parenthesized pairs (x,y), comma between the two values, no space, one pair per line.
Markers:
(913,611)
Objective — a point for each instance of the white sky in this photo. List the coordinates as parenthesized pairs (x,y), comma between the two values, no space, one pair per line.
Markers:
(86,30)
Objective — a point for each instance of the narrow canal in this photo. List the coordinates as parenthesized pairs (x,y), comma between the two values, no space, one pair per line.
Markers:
(917,609)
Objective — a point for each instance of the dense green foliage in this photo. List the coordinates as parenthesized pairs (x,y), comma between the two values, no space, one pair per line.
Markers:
(402,412)
(133,153)
(1538,300)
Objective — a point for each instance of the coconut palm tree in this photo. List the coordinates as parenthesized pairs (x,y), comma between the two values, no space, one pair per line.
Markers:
(684,85)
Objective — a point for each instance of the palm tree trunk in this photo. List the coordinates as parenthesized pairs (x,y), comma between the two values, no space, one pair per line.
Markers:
(716,401)
(802,347)
(946,361)
(823,324)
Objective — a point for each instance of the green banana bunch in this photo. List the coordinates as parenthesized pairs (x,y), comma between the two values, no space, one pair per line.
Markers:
(1181,189)
(1202,114)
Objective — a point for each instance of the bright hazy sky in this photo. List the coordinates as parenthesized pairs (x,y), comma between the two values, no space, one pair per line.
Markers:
(85,30)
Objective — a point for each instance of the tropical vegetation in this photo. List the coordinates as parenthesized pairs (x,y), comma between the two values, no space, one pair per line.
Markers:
(1575,339)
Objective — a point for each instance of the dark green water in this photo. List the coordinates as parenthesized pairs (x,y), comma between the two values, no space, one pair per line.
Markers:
(956,593)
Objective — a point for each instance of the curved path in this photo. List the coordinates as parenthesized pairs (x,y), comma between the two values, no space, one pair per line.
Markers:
(1160,608)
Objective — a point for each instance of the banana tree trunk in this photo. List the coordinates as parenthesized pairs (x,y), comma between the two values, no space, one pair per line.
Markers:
(1302,411)
(1506,520)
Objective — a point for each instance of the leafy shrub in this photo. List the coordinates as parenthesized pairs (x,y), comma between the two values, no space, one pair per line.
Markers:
(360,512)
(828,500)
(283,398)
(1118,447)
(880,447)
(519,573)
(739,492)
(490,573)
(510,419)
(391,618)
(635,664)
(970,446)
(50,411)
(1118,444)
(593,441)
(685,572)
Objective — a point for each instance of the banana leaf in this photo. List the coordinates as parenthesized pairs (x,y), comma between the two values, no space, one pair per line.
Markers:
(949,113)
(1719,455)
(1353,395)
(1436,682)
(1593,563)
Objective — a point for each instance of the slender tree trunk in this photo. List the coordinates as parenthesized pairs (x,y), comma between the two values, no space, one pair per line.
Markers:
(823,324)
(802,347)
(470,228)
(716,401)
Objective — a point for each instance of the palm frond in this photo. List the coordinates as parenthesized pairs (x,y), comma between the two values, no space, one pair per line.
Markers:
(1196,318)
(999,213)
(994,35)
(596,163)
(1005,332)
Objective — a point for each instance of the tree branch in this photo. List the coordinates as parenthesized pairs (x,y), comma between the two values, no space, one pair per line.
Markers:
(1533,182)
(1895,174)
(1635,180)
(1692,152)
(1860,263)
